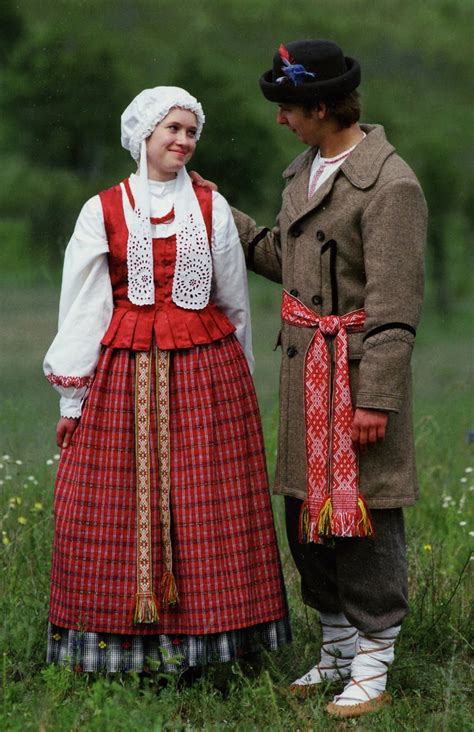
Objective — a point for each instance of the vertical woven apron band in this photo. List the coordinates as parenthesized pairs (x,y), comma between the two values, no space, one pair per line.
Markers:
(333,506)
(169,591)
(146,602)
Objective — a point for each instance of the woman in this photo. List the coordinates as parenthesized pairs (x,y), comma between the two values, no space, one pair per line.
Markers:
(164,540)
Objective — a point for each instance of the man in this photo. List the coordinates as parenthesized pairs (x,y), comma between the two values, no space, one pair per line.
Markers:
(349,243)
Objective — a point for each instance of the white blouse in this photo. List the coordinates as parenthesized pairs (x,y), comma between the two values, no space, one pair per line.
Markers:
(86,301)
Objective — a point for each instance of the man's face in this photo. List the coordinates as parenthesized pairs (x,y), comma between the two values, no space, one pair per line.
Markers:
(306,125)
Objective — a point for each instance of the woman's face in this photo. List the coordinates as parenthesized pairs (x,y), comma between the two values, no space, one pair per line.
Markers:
(171,144)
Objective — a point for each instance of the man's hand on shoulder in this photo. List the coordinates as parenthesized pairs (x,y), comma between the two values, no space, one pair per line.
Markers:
(368,427)
(200,181)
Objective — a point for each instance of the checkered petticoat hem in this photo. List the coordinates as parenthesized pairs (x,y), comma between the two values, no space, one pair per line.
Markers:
(164,653)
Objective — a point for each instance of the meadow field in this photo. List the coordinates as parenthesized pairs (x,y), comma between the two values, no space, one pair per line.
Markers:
(430,679)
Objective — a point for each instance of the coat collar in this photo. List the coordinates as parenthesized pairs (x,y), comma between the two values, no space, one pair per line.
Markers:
(361,168)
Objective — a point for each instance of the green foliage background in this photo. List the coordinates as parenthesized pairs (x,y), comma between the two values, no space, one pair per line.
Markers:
(69,67)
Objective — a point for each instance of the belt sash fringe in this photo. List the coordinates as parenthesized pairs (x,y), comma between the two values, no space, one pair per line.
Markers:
(333,506)
(146,603)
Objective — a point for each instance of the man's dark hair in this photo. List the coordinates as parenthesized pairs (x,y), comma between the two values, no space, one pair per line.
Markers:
(344,110)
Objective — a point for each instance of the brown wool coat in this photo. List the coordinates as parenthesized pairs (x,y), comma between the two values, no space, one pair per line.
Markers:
(358,243)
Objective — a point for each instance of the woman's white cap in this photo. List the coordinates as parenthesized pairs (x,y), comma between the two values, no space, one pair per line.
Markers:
(148,109)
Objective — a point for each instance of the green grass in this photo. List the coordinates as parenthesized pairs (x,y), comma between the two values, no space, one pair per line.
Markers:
(430,678)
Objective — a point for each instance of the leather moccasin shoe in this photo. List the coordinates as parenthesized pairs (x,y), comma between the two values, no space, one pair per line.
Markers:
(303,691)
(358,710)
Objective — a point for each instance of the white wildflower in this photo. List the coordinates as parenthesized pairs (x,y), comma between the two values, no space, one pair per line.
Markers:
(6,457)
(57,456)
(468,470)
(462,523)
(49,461)
(463,480)
(471,533)
(31,477)
(8,477)
(19,462)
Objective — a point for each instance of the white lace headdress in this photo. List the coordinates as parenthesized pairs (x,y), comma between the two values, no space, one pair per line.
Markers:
(193,272)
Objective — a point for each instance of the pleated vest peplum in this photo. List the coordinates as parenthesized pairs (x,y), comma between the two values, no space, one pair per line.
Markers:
(136,327)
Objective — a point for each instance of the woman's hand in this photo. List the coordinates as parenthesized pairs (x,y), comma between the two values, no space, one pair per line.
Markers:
(368,427)
(65,430)
(200,181)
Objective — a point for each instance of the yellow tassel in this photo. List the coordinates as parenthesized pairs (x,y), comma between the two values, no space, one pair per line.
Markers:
(146,608)
(304,524)
(169,591)
(325,518)
(364,523)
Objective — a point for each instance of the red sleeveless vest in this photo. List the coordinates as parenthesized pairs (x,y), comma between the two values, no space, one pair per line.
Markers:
(135,326)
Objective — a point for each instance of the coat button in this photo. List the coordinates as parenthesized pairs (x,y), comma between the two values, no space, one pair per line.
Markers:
(294,292)
(320,235)
(317,300)
(291,351)
(296,232)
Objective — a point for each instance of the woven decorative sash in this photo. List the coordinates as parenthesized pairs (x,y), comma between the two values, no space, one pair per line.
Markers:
(333,505)
(146,602)
(168,585)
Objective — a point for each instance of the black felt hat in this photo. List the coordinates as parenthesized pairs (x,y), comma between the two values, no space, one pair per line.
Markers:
(305,71)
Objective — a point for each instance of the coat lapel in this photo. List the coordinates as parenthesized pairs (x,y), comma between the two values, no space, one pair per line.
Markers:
(319,196)
(361,168)
(296,191)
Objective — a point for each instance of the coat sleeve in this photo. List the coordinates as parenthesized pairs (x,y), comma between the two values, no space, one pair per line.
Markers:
(393,235)
(85,310)
(262,246)
(229,279)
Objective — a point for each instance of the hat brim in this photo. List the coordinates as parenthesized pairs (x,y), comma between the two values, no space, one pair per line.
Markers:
(287,92)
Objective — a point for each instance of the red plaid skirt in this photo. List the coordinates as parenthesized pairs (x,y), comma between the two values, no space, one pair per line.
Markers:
(225,556)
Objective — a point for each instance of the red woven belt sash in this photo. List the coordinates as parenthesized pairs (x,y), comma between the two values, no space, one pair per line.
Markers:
(333,506)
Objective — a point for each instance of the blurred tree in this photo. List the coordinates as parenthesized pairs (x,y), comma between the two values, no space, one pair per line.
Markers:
(235,145)
(60,108)
(11,29)
(63,101)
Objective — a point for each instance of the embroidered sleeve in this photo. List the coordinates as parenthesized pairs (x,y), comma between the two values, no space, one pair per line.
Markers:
(84,312)
(229,283)
(389,333)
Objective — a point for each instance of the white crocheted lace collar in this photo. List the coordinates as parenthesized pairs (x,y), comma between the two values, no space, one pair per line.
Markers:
(193,272)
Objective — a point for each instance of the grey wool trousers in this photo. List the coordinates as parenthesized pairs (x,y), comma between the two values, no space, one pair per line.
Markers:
(366,578)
